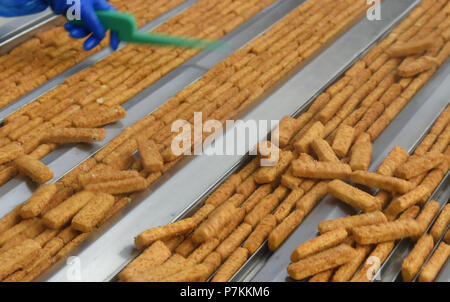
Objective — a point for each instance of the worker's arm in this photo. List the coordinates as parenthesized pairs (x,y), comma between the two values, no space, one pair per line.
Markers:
(92,25)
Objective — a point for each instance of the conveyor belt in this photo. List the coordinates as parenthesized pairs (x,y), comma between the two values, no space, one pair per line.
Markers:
(64,159)
(185,192)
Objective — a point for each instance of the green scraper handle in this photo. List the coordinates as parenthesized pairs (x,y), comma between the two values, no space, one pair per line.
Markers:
(125,26)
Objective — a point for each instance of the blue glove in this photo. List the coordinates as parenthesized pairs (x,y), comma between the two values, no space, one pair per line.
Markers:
(14,8)
(90,20)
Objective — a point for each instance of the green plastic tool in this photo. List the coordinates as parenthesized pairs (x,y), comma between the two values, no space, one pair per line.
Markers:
(125,26)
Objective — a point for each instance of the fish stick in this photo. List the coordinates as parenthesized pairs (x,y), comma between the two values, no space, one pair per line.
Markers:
(319,244)
(388,231)
(324,151)
(256,197)
(247,187)
(420,164)
(345,272)
(202,213)
(224,191)
(63,213)
(351,222)
(322,277)
(201,252)
(33,168)
(214,223)
(18,257)
(441,223)
(73,135)
(287,128)
(99,176)
(282,231)
(231,266)
(38,201)
(102,116)
(425,217)
(435,264)
(164,232)
(447,237)
(10,152)
(268,174)
(195,273)
(172,266)
(321,170)
(288,203)
(361,153)
(410,48)
(312,198)
(265,206)
(405,201)
(151,257)
(373,262)
(88,218)
(127,185)
(234,240)
(152,160)
(353,196)
(343,140)
(322,261)
(304,143)
(260,233)
(388,183)
(416,258)
(418,66)
(395,159)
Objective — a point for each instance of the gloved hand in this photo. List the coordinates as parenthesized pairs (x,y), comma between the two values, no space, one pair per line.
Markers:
(90,20)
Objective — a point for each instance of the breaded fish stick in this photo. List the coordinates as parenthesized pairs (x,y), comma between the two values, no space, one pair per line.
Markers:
(33,168)
(99,117)
(318,244)
(270,173)
(312,198)
(231,266)
(388,183)
(217,220)
(420,164)
(18,257)
(224,191)
(88,218)
(420,65)
(395,159)
(410,48)
(416,258)
(38,201)
(150,156)
(288,203)
(256,197)
(260,233)
(304,143)
(353,196)
(425,217)
(447,237)
(320,262)
(104,176)
(361,153)
(266,206)
(345,272)
(322,277)
(441,223)
(405,201)
(286,130)
(164,232)
(151,257)
(127,185)
(282,231)
(63,213)
(321,170)
(343,140)
(10,152)
(350,222)
(172,266)
(233,241)
(73,135)
(376,257)
(388,231)
(324,151)
(435,264)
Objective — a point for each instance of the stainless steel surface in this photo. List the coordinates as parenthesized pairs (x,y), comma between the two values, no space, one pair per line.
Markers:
(65,159)
(91,60)
(406,130)
(182,191)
